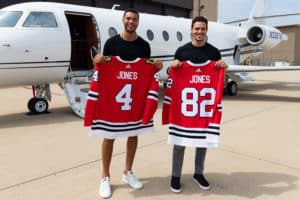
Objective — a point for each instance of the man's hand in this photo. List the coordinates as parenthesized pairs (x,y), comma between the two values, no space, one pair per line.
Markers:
(176,63)
(158,64)
(98,59)
(221,64)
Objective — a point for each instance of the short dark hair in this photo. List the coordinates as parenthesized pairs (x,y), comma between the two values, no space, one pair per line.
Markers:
(132,11)
(199,19)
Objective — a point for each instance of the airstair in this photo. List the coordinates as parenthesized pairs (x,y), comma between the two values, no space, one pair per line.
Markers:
(76,87)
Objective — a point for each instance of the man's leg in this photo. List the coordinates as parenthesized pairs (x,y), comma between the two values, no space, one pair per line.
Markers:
(130,152)
(178,156)
(199,168)
(128,175)
(107,149)
(199,160)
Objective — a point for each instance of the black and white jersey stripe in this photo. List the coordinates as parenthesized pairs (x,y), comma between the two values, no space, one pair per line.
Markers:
(119,127)
(200,133)
(219,107)
(93,95)
(167,99)
(153,95)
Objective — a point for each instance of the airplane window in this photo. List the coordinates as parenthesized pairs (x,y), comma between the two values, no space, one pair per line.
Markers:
(150,35)
(179,36)
(165,35)
(9,19)
(40,19)
(112,31)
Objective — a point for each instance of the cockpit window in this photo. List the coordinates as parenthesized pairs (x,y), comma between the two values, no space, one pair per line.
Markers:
(40,19)
(9,19)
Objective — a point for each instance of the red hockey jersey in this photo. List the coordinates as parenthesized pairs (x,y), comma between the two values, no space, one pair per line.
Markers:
(192,104)
(122,95)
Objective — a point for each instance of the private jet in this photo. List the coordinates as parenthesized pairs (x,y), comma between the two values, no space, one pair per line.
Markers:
(43,43)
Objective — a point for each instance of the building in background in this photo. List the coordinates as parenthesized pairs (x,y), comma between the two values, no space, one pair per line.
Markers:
(178,8)
(4,3)
(206,8)
(170,7)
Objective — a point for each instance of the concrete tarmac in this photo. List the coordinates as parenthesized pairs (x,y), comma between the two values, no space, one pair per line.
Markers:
(51,156)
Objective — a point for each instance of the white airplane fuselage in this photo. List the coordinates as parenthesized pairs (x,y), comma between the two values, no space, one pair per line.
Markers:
(43,43)
(37,55)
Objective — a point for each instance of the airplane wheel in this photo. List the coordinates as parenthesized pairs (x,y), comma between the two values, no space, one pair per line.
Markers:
(224,91)
(37,105)
(232,88)
(30,104)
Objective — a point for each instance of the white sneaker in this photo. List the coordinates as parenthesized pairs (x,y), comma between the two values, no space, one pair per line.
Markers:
(132,180)
(105,190)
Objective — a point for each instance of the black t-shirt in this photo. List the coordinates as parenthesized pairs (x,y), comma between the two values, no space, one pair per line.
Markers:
(197,54)
(127,50)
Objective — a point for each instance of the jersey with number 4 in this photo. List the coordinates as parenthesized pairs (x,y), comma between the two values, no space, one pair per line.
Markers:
(192,104)
(122,98)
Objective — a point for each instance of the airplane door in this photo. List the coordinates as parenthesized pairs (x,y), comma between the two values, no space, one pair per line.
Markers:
(84,34)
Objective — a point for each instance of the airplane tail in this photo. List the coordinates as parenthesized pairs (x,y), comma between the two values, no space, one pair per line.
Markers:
(257,11)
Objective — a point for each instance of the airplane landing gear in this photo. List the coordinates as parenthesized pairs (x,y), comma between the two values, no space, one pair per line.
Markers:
(231,88)
(37,105)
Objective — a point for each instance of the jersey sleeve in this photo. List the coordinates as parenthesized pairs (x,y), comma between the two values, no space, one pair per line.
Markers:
(92,98)
(218,110)
(167,99)
(152,100)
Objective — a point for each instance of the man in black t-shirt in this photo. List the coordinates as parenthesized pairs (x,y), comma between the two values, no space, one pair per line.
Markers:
(197,51)
(127,50)
(197,54)
(129,46)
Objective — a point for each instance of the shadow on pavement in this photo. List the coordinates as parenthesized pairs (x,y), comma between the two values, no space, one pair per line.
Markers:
(244,184)
(55,115)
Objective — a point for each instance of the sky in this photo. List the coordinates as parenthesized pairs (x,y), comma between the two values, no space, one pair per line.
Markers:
(230,10)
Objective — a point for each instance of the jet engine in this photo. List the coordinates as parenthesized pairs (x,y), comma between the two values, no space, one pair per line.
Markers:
(264,37)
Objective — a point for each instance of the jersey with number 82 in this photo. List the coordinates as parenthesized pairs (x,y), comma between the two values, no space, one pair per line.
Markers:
(192,102)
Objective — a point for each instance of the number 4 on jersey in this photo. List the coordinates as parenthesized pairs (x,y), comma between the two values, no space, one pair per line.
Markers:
(124,97)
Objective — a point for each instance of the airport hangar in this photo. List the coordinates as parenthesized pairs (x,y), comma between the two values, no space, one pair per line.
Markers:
(178,8)
(286,52)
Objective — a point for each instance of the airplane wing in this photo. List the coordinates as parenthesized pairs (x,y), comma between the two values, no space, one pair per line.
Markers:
(252,68)
(238,73)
